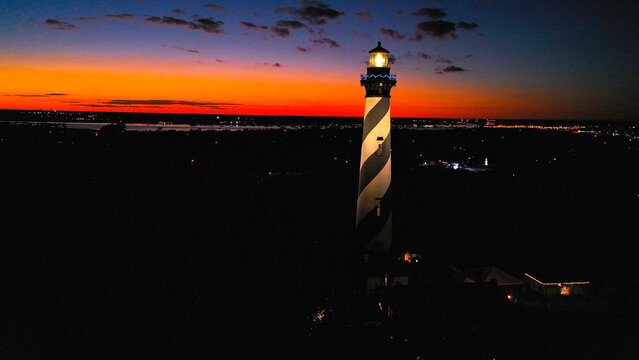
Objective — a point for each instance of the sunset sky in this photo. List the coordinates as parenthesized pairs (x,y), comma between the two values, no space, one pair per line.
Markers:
(455,59)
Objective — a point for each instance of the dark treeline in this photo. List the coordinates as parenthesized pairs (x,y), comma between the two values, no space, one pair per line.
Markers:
(221,244)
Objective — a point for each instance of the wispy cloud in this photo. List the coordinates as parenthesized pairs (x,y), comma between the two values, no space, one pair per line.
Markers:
(449,69)
(443,60)
(125,17)
(440,29)
(467,26)
(325,41)
(281,32)
(160,103)
(251,26)
(277,65)
(293,24)
(393,34)
(207,25)
(215,7)
(191,51)
(365,15)
(312,12)
(37,95)
(59,25)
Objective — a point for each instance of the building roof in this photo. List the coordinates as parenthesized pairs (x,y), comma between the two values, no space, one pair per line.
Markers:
(379,48)
(554,283)
(491,273)
(499,275)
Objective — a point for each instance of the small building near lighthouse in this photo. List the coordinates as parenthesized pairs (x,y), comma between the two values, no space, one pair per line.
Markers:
(557,288)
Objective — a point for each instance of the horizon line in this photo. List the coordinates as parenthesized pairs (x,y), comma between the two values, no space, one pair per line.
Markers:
(317,116)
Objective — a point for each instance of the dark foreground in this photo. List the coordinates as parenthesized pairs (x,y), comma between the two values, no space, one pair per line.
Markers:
(223,244)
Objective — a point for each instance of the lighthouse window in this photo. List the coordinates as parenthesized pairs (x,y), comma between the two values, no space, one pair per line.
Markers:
(378,205)
(380,148)
(381,84)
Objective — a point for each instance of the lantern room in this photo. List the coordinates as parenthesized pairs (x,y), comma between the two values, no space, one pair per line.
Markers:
(378,57)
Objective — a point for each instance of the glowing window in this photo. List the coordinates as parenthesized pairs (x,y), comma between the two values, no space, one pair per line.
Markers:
(380,146)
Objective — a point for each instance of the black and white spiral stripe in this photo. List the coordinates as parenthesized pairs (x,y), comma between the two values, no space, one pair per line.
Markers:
(373,225)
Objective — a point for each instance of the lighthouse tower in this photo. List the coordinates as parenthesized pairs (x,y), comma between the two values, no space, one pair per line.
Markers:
(373,220)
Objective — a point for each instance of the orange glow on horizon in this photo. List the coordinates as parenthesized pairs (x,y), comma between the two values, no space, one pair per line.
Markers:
(246,90)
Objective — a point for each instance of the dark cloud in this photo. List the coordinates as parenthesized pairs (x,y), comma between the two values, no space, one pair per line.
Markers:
(120,17)
(205,24)
(167,20)
(37,95)
(220,60)
(177,11)
(293,24)
(391,59)
(313,12)
(276,31)
(102,105)
(443,60)
(185,49)
(215,7)
(303,49)
(251,26)
(59,25)
(450,69)
(438,29)
(466,26)
(364,15)
(269,64)
(393,34)
(165,103)
(208,25)
(424,56)
(280,32)
(399,13)
(85,18)
(467,57)
(325,41)
(432,13)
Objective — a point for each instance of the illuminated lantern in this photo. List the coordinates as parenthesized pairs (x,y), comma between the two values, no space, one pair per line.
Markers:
(378,56)
(373,219)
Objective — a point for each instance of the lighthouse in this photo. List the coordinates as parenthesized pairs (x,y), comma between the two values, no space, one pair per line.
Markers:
(374,212)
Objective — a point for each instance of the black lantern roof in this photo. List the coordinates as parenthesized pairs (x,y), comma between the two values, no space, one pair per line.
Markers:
(379,48)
